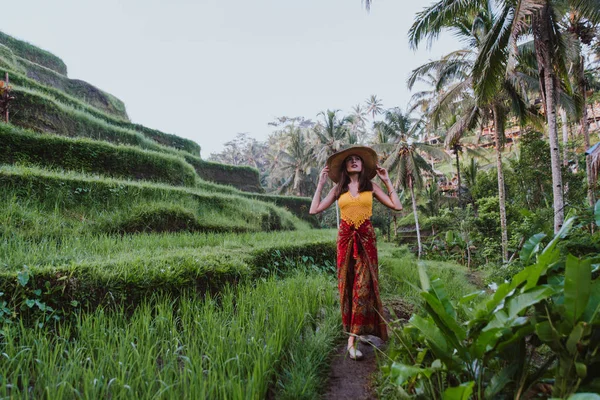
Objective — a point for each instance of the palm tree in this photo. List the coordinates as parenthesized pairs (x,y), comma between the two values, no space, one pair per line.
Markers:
(456,79)
(374,106)
(332,134)
(405,161)
(542,18)
(295,163)
(582,32)
(499,53)
(358,123)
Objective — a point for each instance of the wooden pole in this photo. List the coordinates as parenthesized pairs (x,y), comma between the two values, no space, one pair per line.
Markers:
(6,110)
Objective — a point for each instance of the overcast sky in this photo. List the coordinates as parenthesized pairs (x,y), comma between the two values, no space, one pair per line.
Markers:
(208,69)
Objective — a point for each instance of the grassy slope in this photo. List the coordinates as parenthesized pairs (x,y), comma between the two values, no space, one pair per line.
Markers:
(91,156)
(33,53)
(80,204)
(231,347)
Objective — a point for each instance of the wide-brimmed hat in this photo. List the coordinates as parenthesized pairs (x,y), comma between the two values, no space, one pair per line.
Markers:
(335,162)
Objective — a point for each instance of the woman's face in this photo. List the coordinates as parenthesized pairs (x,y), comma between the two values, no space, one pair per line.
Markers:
(353,164)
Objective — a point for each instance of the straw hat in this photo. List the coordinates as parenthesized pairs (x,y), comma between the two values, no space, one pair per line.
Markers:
(335,162)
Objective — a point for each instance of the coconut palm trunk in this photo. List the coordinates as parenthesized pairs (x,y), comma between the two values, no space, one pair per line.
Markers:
(565,136)
(543,43)
(458,176)
(585,128)
(414,206)
(499,130)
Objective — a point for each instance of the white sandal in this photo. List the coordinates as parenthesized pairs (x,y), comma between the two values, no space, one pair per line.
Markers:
(354,353)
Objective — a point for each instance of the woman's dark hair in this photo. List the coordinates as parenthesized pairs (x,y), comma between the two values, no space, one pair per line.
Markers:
(364,183)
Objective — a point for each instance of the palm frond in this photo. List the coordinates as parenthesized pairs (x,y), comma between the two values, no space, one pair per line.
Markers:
(432,151)
(448,99)
(491,62)
(432,20)
(468,120)
(588,9)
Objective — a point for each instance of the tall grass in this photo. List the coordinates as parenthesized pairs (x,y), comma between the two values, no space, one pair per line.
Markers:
(33,53)
(95,204)
(18,251)
(399,275)
(226,347)
(92,156)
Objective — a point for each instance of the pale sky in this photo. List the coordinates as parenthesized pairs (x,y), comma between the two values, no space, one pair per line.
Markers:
(207,69)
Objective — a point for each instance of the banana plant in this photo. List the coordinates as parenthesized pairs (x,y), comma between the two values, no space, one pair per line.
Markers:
(554,302)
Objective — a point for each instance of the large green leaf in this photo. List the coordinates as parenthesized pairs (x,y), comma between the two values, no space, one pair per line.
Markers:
(519,335)
(593,307)
(531,247)
(437,287)
(451,327)
(535,271)
(597,212)
(400,373)
(578,277)
(551,253)
(500,380)
(486,341)
(498,321)
(519,303)
(433,334)
(462,392)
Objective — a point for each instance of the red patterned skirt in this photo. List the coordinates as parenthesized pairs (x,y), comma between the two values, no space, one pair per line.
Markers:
(357,268)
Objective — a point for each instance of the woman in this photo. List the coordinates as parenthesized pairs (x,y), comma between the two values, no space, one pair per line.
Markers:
(352,170)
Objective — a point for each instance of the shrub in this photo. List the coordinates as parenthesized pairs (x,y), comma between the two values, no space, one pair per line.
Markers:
(79,203)
(129,278)
(22,147)
(33,53)
(544,322)
(243,178)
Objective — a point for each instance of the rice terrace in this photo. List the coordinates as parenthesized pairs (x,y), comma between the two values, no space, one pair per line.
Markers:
(442,246)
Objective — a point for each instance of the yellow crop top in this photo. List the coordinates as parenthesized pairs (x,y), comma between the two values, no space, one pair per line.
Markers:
(356,210)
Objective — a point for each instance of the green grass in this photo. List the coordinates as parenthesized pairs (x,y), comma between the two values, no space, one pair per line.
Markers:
(82,203)
(40,112)
(225,347)
(18,251)
(126,162)
(399,275)
(304,369)
(33,53)
(44,96)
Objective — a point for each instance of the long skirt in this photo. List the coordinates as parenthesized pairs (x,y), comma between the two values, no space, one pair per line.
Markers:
(357,268)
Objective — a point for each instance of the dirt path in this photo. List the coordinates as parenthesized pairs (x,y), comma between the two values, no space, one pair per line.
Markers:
(350,379)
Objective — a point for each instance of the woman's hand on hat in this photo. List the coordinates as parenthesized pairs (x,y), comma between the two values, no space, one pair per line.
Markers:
(323,176)
(382,173)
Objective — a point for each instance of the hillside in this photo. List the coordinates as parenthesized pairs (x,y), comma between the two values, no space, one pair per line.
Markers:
(73,167)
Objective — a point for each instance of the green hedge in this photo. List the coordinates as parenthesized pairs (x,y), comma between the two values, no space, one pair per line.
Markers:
(41,111)
(33,53)
(103,113)
(75,87)
(85,204)
(109,107)
(299,206)
(243,178)
(22,147)
(128,280)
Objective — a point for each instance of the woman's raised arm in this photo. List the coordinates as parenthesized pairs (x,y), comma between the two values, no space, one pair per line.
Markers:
(389,199)
(317,204)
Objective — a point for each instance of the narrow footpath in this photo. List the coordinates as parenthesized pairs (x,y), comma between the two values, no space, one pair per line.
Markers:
(350,379)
